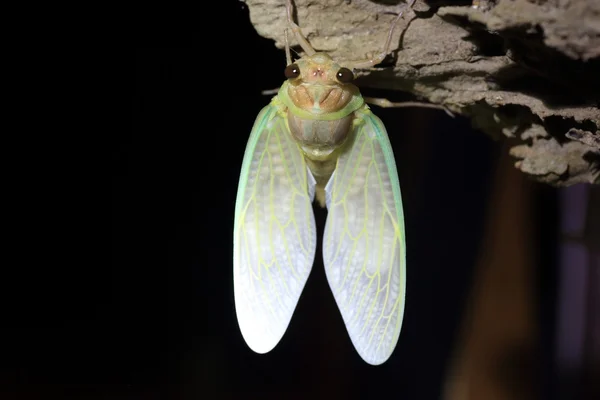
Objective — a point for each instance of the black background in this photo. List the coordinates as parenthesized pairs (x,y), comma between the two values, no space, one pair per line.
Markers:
(159,321)
(194,106)
(172,320)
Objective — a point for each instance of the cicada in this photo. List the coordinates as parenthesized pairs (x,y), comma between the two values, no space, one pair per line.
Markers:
(318,141)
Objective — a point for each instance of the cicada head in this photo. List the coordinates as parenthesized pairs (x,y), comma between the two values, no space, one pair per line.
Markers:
(318,84)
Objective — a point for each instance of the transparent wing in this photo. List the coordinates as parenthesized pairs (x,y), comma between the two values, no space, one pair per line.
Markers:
(274,232)
(364,245)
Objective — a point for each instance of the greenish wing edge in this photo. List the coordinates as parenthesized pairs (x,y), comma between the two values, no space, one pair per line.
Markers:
(263,117)
(386,146)
(382,137)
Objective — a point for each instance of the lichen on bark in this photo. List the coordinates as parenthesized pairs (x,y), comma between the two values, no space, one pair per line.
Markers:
(523,69)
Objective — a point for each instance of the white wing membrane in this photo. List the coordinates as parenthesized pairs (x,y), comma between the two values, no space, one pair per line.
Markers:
(274,233)
(364,247)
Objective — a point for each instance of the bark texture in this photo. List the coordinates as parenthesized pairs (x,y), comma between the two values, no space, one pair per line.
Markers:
(522,69)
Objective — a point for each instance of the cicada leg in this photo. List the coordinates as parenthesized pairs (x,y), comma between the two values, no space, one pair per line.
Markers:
(308,49)
(288,53)
(385,103)
(379,57)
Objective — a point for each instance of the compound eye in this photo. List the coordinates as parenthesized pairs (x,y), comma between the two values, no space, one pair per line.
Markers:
(344,75)
(292,71)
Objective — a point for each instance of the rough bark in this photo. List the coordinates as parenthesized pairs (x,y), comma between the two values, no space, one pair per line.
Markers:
(522,69)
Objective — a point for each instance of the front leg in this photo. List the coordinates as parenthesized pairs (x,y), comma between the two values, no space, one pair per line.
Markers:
(385,103)
(377,58)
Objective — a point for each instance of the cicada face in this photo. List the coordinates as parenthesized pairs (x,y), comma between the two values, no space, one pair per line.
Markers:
(319,85)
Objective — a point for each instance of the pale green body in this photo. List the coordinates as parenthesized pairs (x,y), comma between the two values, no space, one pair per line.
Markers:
(296,150)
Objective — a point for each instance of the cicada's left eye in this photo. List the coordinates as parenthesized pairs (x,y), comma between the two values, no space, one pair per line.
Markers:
(292,71)
(344,75)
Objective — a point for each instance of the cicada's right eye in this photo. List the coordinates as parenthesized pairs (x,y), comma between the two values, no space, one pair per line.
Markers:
(292,71)
(344,75)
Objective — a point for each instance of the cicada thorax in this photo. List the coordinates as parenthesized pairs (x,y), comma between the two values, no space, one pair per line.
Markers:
(320,103)
(320,140)
(319,134)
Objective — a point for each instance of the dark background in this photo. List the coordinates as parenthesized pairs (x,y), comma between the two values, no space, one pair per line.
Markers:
(158,321)
(194,106)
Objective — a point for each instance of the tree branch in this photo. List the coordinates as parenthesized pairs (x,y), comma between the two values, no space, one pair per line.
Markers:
(525,69)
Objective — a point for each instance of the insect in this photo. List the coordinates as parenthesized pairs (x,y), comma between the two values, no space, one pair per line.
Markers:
(318,139)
